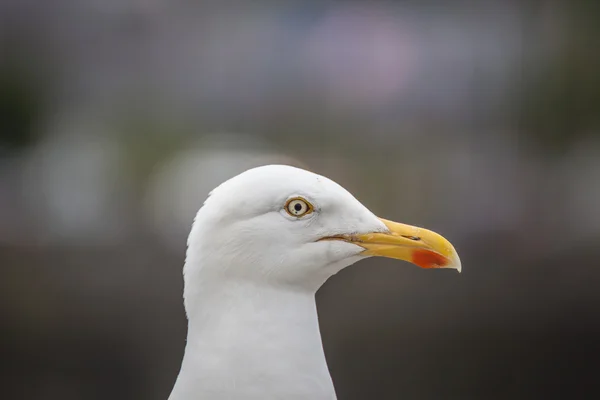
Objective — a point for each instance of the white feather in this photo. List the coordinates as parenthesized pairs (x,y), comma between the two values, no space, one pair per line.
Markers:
(251,274)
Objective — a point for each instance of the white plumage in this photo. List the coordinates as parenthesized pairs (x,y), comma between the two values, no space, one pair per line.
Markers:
(256,257)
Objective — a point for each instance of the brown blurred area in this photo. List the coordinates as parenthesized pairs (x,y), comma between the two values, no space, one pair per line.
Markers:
(479,120)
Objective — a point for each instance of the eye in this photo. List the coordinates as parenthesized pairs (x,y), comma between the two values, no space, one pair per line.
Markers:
(298,207)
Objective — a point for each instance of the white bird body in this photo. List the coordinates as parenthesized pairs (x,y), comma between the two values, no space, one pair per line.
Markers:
(259,343)
(252,270)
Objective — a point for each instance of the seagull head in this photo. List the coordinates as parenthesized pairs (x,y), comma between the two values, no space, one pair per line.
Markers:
(281,225)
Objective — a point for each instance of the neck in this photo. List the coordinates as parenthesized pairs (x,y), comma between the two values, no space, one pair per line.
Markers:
(251,342)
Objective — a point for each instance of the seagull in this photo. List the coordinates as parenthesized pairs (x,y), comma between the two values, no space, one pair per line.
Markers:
(259,249)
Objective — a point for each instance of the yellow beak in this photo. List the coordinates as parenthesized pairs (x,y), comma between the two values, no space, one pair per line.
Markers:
(419,246)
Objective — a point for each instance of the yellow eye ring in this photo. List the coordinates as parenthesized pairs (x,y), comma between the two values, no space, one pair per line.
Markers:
(298,207)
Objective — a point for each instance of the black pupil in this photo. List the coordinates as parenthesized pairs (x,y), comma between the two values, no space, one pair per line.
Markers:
(298,207)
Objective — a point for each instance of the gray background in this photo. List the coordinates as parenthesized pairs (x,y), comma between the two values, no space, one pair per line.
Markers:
(478,120)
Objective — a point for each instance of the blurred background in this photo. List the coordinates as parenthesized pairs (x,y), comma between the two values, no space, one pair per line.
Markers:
(479,120)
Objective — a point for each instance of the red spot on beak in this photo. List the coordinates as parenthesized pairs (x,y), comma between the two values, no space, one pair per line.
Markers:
(428,259)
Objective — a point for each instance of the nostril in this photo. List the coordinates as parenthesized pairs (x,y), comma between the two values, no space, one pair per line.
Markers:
(415,238)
